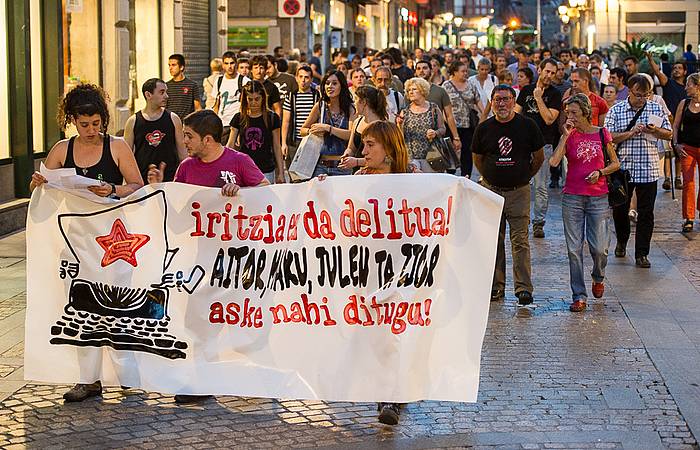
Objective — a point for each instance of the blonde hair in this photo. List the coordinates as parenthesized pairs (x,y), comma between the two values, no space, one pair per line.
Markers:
(420,84)
(389,135)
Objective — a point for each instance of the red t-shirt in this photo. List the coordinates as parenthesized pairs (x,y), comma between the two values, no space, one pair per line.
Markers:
(584,154)
(598,107)
(230,167)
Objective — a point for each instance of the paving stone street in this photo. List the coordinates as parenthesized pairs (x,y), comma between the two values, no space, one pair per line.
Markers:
(623,374)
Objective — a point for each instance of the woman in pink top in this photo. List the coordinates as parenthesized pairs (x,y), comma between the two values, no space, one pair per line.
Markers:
(585,207)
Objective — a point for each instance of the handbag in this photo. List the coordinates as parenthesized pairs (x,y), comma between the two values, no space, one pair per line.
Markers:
(618,181)
(441,154)
(307,155)
(473,113)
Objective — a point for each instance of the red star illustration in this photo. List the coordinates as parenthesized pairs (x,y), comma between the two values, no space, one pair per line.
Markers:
(120,244)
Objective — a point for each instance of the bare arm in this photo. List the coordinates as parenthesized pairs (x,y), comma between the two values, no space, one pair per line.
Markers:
(452,125)
(54,160)
(128,167)
(231,143)
(663,79)
(478,162)
(537,159)
(677,120)
(286,119)
(179,137)
(197,104)
(277,108)
(129,132)
(560,151)
(279,160)
(312,119)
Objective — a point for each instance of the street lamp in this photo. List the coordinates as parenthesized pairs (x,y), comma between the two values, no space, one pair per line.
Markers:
(458,23)
(448,16)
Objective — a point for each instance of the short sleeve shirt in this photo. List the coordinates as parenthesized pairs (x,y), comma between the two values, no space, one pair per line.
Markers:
(229,96)
(230,167)
(552,99)
(507,149)
(255,139)
(181,96)
(673,93)
(598,107)
(584,154)
(439,96)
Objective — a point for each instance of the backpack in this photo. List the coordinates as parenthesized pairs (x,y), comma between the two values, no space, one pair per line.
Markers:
(220,81)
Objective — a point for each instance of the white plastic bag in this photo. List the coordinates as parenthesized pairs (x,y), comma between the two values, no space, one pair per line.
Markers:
(305,160)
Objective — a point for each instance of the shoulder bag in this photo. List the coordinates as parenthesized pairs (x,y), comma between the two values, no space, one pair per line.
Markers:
(441,155)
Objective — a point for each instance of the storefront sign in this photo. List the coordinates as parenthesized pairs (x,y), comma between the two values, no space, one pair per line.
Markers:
(247,37)
(366,288)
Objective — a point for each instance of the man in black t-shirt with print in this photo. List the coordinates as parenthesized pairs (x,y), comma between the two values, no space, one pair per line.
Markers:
(508,151)
(541,102)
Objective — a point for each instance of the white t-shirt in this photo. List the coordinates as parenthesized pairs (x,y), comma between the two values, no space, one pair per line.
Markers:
(392,108)
(230,98)
(486,89)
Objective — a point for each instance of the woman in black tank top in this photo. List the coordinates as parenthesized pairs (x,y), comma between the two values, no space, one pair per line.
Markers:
(686,135)
(93,153)
(371,107)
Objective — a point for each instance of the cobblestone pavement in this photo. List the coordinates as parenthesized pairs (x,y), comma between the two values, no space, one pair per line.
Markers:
(549,379)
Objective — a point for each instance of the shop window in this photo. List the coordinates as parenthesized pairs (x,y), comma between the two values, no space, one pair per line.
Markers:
(81,44)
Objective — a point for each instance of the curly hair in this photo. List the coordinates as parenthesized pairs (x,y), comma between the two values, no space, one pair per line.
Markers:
(83,100)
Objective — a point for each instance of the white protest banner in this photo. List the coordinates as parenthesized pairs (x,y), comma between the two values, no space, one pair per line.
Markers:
(365,288)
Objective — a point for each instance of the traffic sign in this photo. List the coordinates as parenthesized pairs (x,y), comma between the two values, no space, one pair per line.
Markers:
(291,8)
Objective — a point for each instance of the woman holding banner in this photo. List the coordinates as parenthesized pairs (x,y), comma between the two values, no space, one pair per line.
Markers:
(94,154)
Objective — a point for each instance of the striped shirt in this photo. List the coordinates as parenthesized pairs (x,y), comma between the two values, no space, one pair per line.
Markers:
(637,154)
(181,96)
(303,103)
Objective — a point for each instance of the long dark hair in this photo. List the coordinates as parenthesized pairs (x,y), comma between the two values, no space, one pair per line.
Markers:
(374,98)
(253,87)
(345,96)
(83,100)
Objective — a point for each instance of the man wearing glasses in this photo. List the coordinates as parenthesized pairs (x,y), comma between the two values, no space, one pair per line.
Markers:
(635,126)
(508,151)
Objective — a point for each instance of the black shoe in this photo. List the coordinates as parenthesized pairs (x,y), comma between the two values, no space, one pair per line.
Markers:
(524,298)
(554,184)
(80,392)
(388,413)
(679,183)
(667,184)
(538,230)
(497,295)
(184,399)
(620,250)
(687,226)
(643,262)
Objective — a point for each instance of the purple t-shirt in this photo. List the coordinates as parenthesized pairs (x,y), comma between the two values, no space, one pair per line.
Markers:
(230,167)
(584,154)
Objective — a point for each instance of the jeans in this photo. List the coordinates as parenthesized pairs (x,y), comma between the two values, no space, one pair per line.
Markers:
(540,184)
(646,197)
(516,211)
(589,215)
(465,157)
(688,164)
(270,176)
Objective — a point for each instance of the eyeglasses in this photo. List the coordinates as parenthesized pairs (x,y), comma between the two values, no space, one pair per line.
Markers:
(642,95)
(502,99)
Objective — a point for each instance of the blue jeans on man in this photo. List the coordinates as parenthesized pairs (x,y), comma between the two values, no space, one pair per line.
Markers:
(540,183)
(589,216)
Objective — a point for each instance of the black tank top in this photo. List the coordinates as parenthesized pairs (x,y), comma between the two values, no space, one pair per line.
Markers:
(690,127)
(106,168)
(357,139)
(154,142)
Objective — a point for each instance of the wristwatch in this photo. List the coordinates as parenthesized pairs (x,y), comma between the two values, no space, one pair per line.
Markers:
(114,189)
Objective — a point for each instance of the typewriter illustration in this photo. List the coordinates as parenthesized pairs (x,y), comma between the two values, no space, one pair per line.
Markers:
(116,298)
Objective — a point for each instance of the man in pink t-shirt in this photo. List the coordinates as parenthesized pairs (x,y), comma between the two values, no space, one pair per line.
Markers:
(213,165)
(209,163)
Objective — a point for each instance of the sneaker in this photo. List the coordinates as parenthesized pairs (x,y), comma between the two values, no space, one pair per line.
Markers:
(497,295)
(388,413)
(679,183)
(667,184)
(80,392)
(578,305)
(598,289)
(633,215)
(621,250)
(185,399)
(687,226)
(643,262)
(524,298)
(538,230)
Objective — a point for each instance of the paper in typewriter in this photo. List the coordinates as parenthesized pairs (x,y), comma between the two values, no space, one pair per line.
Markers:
(372,288)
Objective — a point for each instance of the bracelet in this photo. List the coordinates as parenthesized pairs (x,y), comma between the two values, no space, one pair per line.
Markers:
(330,129)
(456,139)
(114,189)
(600,173)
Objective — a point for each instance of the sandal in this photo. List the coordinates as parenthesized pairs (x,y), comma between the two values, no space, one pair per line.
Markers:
(687,226)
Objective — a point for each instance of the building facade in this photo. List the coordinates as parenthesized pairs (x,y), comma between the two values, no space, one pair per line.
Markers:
(49,46)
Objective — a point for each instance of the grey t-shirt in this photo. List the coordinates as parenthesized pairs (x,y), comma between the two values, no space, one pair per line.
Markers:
(439,96)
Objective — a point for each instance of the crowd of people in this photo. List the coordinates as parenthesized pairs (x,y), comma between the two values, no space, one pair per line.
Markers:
(527,119)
